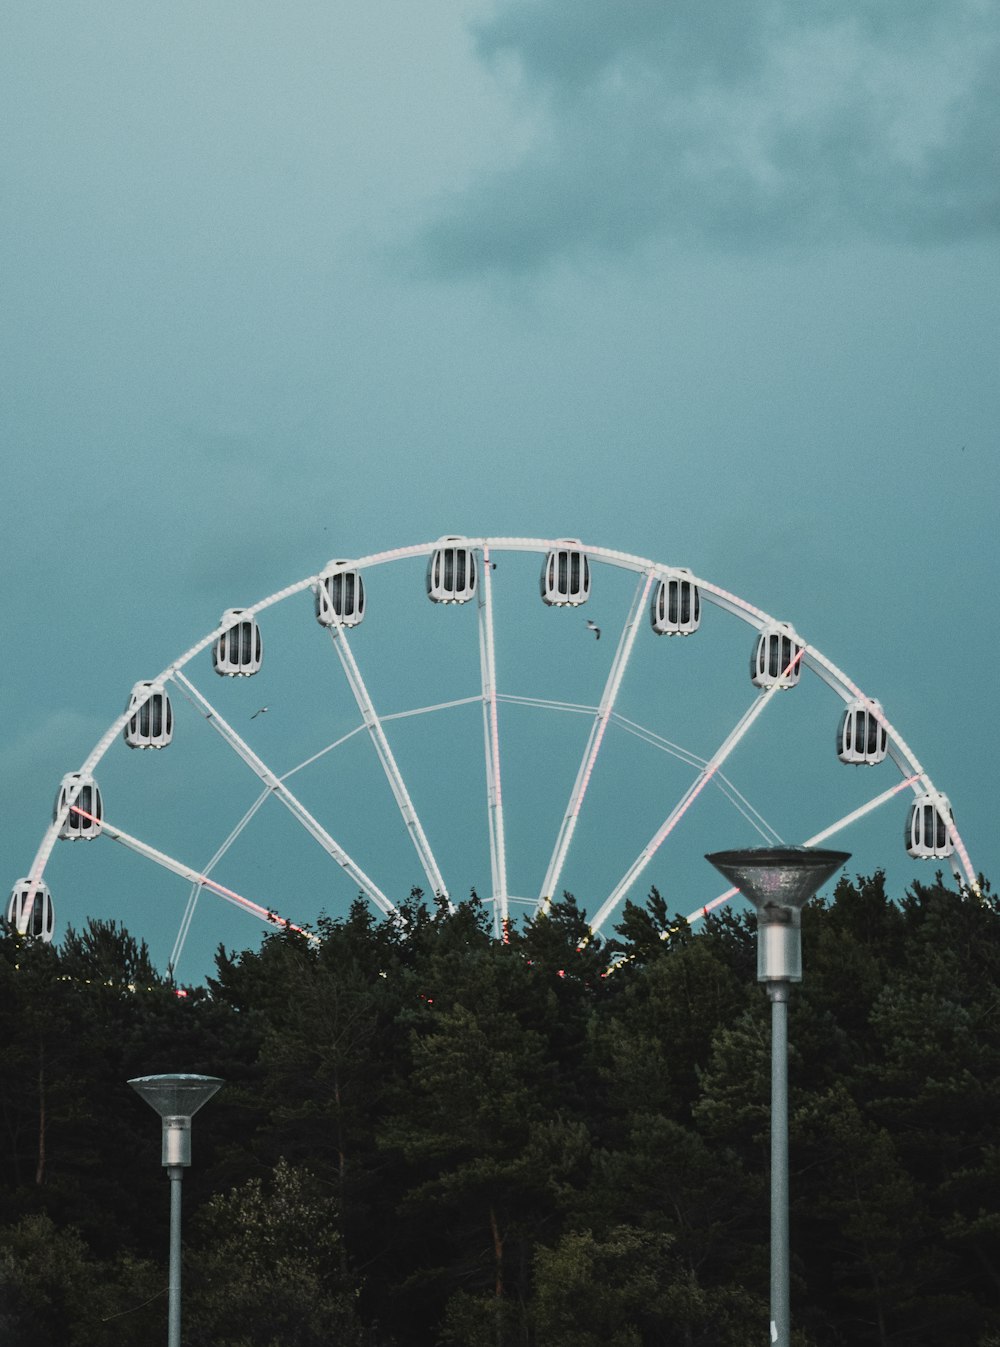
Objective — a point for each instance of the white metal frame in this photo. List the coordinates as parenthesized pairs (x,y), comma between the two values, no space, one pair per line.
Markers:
(648,572)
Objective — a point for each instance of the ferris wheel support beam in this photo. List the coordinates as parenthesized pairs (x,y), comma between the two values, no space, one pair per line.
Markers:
(281,792)
(491,737)
(682,806)
(605,710)
(373,724)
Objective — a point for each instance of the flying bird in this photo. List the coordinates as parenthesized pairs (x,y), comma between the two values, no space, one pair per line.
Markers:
(592,626)
(259,712)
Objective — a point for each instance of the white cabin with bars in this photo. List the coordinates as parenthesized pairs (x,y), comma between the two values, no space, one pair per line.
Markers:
(565,578)
(150,721)
(861,735)
(78,791)
(451,572)
(30,910)
(774,663)
(238,650)
(675,609)
(928,836)
(340,596)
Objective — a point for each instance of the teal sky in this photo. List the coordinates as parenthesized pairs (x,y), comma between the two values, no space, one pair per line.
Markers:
(715,285)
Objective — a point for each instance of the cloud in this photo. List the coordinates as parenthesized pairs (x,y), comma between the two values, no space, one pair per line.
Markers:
(740,123)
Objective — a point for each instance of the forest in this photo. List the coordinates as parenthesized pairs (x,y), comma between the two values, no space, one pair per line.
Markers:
(431,1137)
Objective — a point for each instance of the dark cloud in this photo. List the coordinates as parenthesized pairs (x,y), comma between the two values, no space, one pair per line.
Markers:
(745,123)
(571,42)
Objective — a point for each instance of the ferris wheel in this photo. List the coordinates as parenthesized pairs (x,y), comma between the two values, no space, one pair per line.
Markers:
(487,714)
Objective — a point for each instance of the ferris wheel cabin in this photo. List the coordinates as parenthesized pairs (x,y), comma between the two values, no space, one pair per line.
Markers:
(775,662)
(928,836)
(30,910)
(861,735)
(340,596)
(451,572)
(79,792)
(565,578)
(676,606)
(238,650)
(150,721)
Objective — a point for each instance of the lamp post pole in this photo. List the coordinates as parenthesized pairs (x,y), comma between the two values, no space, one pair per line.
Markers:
(780,1253)
(176,1099)
(779,881)
(176,1174)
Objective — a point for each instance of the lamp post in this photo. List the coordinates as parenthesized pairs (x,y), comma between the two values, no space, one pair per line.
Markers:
(779,881)
(176,1099)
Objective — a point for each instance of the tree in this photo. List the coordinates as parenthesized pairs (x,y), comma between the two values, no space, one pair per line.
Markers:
(52,1289)
(265,1268)
(626,1289)
(105,952)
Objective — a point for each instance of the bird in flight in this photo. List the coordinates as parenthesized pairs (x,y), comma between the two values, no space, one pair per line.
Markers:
(259,712)
(592,626)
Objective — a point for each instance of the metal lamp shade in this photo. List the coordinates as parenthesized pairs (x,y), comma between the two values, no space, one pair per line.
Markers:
(176,1099)
(176,1096)
(779,881)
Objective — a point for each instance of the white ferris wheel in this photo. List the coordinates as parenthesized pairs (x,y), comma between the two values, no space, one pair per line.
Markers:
(490,739)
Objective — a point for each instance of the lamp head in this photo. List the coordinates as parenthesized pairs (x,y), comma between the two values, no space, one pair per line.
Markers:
(779,881)
(176,1099)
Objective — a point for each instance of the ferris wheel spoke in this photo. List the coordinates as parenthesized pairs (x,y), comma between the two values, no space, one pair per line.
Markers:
(860,812)
(710,907)
(195,893)
(619,664)
(720,780)
(177,867)
(180,940)
(373,723)
(681,807)
(491,737)
(658,741)
(282,793)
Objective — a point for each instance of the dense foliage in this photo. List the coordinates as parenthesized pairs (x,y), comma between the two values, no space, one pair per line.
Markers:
(433,1138)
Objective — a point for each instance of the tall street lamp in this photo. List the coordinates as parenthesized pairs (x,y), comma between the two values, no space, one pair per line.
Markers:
(779,881)
(176,1099)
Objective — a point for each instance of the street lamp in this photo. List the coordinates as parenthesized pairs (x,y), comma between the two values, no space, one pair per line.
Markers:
(779,881)
(176,1099)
